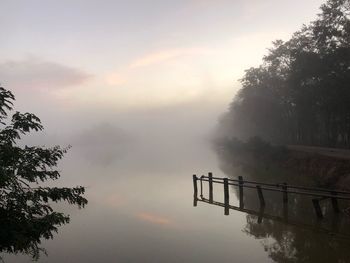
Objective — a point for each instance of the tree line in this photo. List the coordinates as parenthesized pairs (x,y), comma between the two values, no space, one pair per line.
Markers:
(300,94)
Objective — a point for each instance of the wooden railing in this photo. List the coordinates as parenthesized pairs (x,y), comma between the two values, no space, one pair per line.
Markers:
(318,194)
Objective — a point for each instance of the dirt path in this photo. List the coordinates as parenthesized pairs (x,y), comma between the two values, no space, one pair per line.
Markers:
(331,152)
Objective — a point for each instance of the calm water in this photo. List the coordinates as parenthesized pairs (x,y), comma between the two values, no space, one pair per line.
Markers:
(141,210)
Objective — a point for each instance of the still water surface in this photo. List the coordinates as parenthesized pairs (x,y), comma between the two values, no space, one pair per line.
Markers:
(141,210)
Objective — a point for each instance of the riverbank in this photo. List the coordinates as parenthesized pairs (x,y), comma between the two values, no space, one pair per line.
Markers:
(328,167)
(319,166)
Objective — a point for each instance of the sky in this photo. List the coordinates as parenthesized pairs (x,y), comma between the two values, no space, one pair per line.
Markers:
(90,61)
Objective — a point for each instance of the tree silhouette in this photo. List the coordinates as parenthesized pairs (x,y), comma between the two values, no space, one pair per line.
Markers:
(300,94)
(26,215)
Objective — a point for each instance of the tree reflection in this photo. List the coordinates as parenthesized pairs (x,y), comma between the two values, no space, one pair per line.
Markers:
(289,233)
(286,243)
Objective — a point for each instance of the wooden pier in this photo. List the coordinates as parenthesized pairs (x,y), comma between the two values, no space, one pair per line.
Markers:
(318,194)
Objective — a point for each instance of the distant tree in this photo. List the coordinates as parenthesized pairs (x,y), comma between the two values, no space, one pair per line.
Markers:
(300,94)
(26,215)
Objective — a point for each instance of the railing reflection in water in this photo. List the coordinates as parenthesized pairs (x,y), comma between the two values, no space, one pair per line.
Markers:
(318,195)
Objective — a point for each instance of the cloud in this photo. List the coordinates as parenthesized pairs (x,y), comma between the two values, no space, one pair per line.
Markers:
(152,60)
(181,75)
(164,55)
(37,74)
(154,219)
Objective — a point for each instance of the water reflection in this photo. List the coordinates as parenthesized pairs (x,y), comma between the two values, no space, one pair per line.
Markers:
(290,233)
(260,216)
(299,243)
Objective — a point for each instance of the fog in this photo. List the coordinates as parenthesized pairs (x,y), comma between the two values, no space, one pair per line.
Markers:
(146,94)
(159,139)
(136,165)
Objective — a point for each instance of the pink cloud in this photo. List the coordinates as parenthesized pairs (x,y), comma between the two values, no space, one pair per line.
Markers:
(164,55)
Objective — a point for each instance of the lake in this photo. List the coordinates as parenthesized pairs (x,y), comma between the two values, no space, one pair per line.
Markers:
(141,210)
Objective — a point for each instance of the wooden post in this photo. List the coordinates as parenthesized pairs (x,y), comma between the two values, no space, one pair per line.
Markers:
(210,175)
(336,223)
(317,207)
(285,193)
(261,196)
(241,203)
(226,197)
(261,214)
(201,186)
(195,188)
(285,201)
(285,212)
(335,203)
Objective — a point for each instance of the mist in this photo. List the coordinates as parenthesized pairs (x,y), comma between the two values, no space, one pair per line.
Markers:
(163,112)
(137,139)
